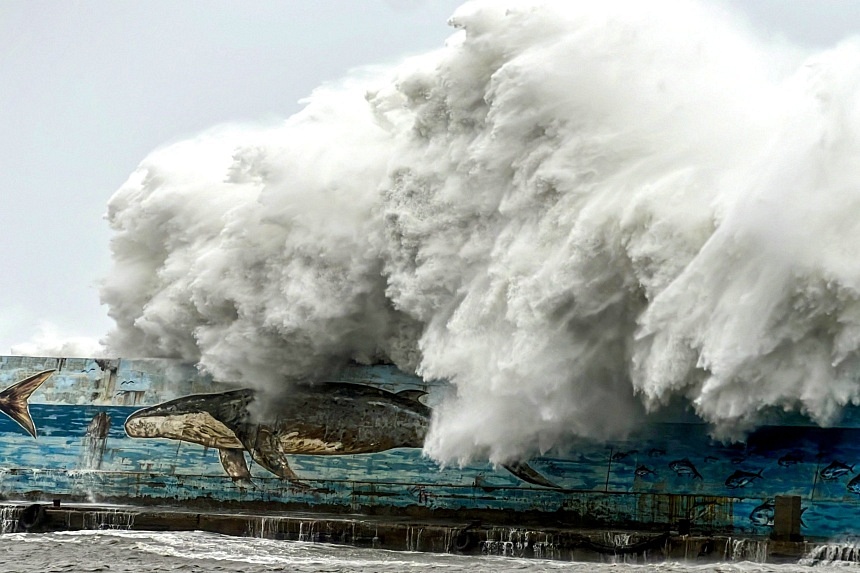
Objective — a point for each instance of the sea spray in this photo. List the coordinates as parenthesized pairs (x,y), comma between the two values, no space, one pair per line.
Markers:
(574,213)
(248,250)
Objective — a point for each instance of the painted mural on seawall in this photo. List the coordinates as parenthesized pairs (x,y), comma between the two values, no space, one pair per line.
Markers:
(156,431)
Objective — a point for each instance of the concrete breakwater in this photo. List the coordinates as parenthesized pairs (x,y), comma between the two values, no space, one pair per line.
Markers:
(159,434)
(403,534)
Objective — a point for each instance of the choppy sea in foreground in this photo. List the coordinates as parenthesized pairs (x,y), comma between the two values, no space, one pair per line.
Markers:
(142,551)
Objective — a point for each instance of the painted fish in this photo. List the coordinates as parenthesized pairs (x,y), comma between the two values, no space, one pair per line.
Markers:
(321,419)
(835,470)
(741,479)
(685,467)
(643,471)
(14,400)
(528,474)
(656,452)
(790,459)
(854,485)
(618,456)
(763,514)
(709,459)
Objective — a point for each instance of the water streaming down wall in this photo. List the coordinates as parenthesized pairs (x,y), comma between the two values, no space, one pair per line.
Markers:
(621,540)
(357,532)
(754,550)
(267,527)
(605,547)
(12,516)
(109,519)
(705,549)
(306,531)
(845,552)
(413,538)
(545,548)
(9,519)
(503,541)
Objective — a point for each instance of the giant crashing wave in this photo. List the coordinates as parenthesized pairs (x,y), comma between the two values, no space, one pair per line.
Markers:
(573,213)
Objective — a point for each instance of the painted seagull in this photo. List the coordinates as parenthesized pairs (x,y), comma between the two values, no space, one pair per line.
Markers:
(323,419)
(14,400)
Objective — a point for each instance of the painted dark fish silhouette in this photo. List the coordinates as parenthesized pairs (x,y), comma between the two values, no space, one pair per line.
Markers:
(742,479)
(14,400)
(835,470)
(709,459)
(656,453)
(643,471)
(790,459)
(323,419)
(854,484)
(618,456)
(528,474)
(763,514)
(685,467)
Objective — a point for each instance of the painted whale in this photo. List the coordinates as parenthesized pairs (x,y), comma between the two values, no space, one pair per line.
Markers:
(14,400)
(322,419)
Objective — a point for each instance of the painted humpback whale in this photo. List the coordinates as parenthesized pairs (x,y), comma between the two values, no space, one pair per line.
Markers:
(14,400)
(323,419)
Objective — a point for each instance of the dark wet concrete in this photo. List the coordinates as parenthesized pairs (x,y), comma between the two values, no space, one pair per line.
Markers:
(407,534)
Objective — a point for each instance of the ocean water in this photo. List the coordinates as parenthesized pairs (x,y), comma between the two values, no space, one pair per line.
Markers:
(138,551)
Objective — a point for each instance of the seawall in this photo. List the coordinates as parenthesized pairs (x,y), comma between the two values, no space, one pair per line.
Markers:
(404,534)
(192,443)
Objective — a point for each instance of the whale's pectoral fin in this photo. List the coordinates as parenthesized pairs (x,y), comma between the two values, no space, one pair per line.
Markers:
(233,461)
(528,474)
(13,400)
(278,466)
(281,468)
(414,395)
(264,450)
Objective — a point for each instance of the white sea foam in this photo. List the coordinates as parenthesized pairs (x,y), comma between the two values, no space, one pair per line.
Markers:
(133,551)
(572,212)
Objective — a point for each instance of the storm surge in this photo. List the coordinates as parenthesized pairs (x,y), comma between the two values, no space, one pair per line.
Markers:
(576,214)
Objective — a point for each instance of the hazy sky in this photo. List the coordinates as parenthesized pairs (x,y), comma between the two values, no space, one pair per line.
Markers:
(88,88)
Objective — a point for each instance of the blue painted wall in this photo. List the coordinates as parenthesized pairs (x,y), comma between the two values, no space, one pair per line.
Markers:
(667,472)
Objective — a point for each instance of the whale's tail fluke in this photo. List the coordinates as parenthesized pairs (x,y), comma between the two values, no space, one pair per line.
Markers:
(14,400)
(528,474)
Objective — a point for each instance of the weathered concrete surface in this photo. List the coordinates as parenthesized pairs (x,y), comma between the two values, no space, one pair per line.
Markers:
(449,536)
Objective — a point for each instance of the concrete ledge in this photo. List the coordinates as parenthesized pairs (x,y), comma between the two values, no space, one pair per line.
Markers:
(407,534)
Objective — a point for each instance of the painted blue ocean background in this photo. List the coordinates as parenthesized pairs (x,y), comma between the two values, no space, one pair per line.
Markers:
(669,470)
(664,458)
